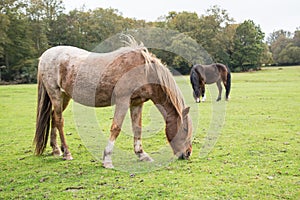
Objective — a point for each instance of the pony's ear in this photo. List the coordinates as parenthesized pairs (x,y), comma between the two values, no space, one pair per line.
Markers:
(185,111)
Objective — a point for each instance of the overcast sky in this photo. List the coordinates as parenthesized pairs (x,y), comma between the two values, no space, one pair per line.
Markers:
(271,15)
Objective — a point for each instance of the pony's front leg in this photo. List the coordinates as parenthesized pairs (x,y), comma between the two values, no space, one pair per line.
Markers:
(136,119)
(202,89)
(203,97)
(115,129)
(107,161)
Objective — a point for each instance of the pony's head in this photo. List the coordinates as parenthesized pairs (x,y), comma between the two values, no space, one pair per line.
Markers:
(169,100)
(195,81)
(181,142)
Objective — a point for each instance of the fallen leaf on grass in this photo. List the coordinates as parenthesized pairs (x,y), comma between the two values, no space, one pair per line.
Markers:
(43,180)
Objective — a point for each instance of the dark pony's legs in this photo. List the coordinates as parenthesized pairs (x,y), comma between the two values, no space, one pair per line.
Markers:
(59,105)
(202,90)
(220,89)
(226,78)
(136,119)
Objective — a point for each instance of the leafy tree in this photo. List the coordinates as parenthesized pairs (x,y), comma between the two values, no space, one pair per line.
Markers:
(285,47)
(289,55)
(17,47)
(184,22)
(296,38)
(6,7)
(207,30)
(248,46)
(70,29)
(225,48)
(35,13)
(273,37)
(266,57)
(4,39)
(210,33)
(278,40)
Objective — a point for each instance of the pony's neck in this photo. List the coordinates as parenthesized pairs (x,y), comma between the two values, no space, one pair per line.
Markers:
(172,119)
(170,114)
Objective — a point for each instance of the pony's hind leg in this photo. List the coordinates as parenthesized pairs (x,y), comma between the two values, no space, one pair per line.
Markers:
(56,151)
(53,142)
(220,90)
(226,83)
(58,123)
(136,119)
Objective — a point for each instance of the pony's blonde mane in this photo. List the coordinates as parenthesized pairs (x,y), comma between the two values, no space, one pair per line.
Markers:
(165,77)
(167,81)
(130,41)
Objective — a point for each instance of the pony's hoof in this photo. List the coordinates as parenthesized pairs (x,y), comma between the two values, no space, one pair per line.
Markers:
(68,157)
(108,165)
(218,99)
(56,153)
(145,158)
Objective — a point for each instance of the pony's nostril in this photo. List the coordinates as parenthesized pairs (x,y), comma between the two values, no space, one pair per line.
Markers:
(188,154)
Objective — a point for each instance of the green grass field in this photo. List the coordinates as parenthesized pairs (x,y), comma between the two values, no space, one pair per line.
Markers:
(256,155)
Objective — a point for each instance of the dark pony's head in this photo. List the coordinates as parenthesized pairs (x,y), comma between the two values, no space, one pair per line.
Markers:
(196,80)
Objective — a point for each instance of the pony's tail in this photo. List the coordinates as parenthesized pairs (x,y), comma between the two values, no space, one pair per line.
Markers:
(44,108)
(228,83)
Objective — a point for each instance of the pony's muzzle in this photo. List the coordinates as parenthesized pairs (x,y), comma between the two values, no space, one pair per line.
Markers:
(198,100)
(183,157)
(186,155)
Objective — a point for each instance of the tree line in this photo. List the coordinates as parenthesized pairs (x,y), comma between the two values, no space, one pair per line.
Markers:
(29,27)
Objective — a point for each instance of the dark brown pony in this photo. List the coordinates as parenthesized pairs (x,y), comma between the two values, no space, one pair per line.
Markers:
(126,77)
(208,74)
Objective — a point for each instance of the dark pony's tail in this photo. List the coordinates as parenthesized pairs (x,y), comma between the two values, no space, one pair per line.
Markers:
(44,107)
(228,83)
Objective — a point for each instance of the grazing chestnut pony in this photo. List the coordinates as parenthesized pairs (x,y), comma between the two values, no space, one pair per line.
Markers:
(208,74)
(126,78)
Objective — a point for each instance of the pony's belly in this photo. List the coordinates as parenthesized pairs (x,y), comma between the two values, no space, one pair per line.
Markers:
(103,100)
(93,98)
(90,103)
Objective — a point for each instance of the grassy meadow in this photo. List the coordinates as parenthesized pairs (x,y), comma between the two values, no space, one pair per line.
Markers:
(247,148)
